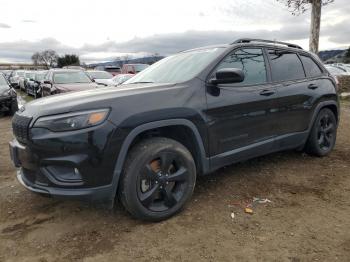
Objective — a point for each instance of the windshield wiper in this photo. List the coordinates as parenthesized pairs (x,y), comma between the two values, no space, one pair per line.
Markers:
(144,82)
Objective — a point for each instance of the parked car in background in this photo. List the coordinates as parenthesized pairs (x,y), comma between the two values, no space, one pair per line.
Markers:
(121,78)
(187,115)
(8,97)
(24,80)
(345,67)
(133,68)
(7,73)
(101,77)
(15,77)
(114,70)
(65,80)
(336,71)
(73,67)
(33,86)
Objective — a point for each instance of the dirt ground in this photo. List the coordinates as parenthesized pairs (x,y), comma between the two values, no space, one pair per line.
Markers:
(308,219)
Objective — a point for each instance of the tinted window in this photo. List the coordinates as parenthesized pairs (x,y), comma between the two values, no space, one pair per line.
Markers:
(251,61)
(311,68)
(285,66)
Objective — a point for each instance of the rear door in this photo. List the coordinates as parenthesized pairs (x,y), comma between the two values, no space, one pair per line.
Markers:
(239,115)
(296,91)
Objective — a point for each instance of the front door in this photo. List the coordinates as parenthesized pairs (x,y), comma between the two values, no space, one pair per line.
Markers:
(241,116)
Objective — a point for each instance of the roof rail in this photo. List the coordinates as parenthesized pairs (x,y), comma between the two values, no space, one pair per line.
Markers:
(248,40)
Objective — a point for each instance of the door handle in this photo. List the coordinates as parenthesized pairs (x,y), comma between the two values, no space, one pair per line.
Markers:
(312,86)
(267,92)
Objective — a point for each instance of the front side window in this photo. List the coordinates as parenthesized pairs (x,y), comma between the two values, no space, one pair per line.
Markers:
(285,66)
(251,61)
(311,68)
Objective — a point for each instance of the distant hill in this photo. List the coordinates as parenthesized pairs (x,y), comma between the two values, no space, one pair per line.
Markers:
(335,56)
(142,60)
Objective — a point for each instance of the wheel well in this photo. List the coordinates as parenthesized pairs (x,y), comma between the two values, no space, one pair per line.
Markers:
(334,109)
(181,134)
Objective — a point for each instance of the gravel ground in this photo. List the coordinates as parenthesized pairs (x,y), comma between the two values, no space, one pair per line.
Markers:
(307,220)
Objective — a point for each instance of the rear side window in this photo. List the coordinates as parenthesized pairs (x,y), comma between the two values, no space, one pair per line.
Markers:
(311,68)
(251,61)
(285,66)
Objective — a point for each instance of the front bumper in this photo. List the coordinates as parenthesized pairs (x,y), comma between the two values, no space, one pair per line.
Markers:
(5,102)
(89,194)
(74,165)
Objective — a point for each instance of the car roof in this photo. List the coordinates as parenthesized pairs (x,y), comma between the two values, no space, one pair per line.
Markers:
(251,43)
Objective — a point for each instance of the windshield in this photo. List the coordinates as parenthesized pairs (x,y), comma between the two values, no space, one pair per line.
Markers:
(177,68)
(29,75)
(20,73)
(3,83)
(71,77)
(100,75)
(39,77)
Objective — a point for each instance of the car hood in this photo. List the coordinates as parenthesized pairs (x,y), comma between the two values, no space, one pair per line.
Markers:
(103,97)
(75,86)
(3,89)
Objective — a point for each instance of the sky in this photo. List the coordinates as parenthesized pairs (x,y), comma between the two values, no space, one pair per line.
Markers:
(105,29)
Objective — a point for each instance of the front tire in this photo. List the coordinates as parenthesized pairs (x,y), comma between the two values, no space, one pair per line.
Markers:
(323,134)
(13,107)
(158,179)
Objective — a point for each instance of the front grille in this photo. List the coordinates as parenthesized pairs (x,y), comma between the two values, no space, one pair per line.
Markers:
(20,126)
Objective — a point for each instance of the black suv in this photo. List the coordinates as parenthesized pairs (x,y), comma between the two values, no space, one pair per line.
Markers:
(189,114)
(8,97)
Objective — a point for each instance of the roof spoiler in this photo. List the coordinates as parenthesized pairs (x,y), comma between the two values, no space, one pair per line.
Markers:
(249,40)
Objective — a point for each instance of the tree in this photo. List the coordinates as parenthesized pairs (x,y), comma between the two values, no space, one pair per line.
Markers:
(36,58)
(47,58)
(300,6)
(68,60)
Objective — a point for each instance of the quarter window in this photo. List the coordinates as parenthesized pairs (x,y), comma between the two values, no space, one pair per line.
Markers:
(311,68)
(251,61)
(285,66)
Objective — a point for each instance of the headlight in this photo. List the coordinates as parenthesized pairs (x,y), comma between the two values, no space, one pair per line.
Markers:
(72,121)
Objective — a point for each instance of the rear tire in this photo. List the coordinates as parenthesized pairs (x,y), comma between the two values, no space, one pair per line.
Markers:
(323,134)
(158,179)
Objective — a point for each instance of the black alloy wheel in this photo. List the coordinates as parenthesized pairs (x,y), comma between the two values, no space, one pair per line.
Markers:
(323,134)
(158,179)
(162,182)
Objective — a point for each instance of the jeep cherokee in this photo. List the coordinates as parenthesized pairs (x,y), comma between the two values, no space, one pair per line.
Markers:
(189,114)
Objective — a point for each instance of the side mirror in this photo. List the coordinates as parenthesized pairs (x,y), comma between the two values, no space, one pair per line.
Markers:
(228,76)
(47,82)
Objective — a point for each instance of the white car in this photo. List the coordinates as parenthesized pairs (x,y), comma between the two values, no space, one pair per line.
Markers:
(16,77)
(336,70)
(101,77)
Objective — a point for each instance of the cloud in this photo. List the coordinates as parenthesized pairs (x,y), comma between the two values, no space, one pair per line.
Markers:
(3,25)
(28,21)
(166,44)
